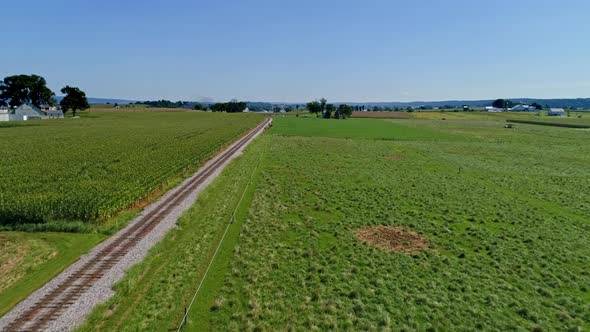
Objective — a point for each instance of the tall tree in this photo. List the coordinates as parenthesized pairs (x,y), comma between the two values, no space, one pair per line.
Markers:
(502,103)
(314,107)
(323,102)
(18,89)
(329,109)
(499,103)
(75,99)
(344,111)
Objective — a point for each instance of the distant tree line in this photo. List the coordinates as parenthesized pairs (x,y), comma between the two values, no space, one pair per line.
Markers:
(164,104)
(327,111)
(19,89)
(233,106)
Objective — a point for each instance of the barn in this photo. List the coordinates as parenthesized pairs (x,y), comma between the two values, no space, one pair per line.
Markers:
(556,112)
(26,112)
(29,112)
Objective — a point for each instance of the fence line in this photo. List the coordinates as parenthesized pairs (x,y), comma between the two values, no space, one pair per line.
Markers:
(231,221)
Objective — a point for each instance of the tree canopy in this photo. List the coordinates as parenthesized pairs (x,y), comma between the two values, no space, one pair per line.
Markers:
(18,89)
(314,107)
(317,107)
(163,103)
(502,103)
(329,109)
(344,111)
(233,106)
(74,99)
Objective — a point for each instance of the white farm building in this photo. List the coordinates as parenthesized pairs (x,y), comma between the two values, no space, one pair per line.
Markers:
(29,112)
(493,109)
(523,108)
(556,112)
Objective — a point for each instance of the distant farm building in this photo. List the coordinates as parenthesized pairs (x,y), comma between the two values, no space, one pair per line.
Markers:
(493,109)
(523,108)
(3,113)
(24,112)
(556,112)
(30,112)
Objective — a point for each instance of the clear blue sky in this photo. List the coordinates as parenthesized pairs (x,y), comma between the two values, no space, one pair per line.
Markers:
(298,50)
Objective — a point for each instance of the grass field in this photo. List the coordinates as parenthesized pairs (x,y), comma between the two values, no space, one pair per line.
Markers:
(93,167)
(504,211)
(29,260)
(576,117)
(507,219)
(358,128)
(383,115)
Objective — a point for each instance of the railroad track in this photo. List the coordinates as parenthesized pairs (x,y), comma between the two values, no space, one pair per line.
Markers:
(72,288)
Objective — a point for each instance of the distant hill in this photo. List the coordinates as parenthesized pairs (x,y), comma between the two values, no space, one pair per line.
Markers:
(565,103)
(583,103)
(93,100)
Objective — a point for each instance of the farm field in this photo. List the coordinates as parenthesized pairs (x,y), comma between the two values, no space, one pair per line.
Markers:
(154,293)
(94,167)
(29,260)
(576,117)
(503,213)
(384,115)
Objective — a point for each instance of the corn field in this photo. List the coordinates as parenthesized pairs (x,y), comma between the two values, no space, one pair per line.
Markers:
(96,166)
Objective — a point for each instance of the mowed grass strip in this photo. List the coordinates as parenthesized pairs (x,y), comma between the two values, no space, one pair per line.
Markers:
(155,293)
(94,167)
(29,260)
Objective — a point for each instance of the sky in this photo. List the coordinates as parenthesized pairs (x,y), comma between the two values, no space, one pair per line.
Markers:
(300,50)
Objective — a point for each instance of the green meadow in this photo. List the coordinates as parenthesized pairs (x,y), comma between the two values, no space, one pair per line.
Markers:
(505,213)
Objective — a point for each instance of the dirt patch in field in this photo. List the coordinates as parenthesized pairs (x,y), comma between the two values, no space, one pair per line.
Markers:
(393,157)
(393,239)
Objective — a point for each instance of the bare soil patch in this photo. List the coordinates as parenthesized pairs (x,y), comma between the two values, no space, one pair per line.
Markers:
(393,157)
(393,239)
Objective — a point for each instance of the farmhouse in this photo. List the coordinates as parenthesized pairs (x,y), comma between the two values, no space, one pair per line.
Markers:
(30,112)
(556,112)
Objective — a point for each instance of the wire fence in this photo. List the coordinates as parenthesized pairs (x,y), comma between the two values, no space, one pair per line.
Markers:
(184,320)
